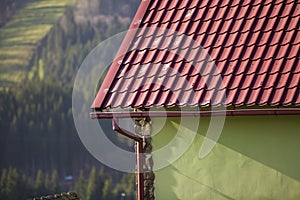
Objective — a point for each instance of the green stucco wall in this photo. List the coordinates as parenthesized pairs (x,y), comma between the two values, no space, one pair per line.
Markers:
(256,157)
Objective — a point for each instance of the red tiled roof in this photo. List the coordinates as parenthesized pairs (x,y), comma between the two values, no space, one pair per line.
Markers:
(253,44)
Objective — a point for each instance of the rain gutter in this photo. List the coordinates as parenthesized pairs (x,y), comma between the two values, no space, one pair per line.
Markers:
(196,113)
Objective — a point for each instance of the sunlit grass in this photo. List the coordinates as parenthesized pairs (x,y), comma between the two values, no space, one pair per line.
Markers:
(20,37)
(32,34)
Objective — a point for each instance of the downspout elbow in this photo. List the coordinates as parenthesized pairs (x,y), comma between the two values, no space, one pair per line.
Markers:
(124,132)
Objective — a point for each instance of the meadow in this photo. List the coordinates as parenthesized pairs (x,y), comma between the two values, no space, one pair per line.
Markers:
(23,34)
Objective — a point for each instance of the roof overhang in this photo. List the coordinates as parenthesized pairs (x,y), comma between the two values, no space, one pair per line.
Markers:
(196,113)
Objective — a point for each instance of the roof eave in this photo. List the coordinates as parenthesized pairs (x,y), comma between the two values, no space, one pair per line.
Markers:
(196,113)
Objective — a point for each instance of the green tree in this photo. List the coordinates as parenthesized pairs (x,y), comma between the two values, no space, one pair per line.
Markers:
(39,183)
(3,193)
(91,186)
(55,181)
(80,186)
(48,185)
(107,189)
(11,184)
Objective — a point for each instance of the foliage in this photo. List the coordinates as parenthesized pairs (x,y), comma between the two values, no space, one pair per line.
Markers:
(36,116)
(48,30)
(23,34)
(41,48)
(8,8)
(15,185)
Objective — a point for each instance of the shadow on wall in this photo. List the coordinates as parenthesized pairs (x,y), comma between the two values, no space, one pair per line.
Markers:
(166,186)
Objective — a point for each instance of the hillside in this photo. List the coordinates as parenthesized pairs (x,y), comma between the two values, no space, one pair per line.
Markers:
(21,36)
(42,45)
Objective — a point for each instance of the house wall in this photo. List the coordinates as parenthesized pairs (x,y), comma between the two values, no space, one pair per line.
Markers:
(256,157)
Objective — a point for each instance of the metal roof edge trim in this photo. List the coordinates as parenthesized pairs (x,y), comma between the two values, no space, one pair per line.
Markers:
(97,103)
(197,113)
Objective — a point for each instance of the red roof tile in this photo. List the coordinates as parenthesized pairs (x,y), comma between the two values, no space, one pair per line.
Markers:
(254,46)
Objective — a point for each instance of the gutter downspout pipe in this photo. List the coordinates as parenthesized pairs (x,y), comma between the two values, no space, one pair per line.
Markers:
(139,156)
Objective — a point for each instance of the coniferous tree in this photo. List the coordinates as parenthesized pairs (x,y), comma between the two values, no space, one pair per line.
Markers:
(11,183)
(91,185)
(48,184)
(80,186)
(55,181)
(3,192)
(39,183)
(107,188)
(36,116)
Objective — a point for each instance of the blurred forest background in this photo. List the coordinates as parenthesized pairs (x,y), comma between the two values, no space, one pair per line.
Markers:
(42,44)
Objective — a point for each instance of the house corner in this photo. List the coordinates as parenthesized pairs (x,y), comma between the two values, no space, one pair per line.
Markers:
(143,128)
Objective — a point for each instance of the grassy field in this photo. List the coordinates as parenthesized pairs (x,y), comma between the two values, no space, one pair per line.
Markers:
(20,37)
